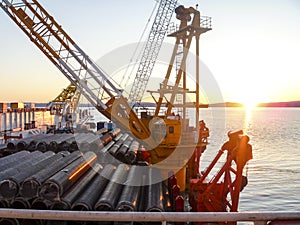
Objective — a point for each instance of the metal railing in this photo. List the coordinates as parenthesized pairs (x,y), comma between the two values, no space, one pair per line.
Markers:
(205,22)
(258,218)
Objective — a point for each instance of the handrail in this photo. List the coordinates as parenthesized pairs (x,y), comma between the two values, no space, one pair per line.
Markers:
(256,217)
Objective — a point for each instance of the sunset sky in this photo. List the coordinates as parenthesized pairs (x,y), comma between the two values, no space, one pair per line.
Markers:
(252,52)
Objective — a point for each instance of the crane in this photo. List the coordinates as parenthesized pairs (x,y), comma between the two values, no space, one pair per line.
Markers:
(65,104)
(151,50)
(168,135)
(97,87)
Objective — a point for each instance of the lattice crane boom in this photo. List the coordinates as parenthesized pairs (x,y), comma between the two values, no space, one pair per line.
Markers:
(151,50)
(98,88)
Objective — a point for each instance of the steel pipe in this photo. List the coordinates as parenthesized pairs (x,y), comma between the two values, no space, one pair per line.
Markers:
(52,143)
(31,185)
(121,153)
(88,198)
(79,187)
(9,221)
(4,203)
(91,143)
(41,204)
(132,152)
(30,142)
(20,203)
(17,168)
(155,193)
(12,144)
(118,144)
(110,196)
(60,182)
(129,198)
(62,142)
(106,138)
(9,187)
(9,160)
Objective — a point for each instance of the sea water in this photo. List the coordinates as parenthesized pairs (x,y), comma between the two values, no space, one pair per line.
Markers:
(274,172)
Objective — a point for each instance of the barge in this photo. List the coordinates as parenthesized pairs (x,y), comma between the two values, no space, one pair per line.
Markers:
(142,164)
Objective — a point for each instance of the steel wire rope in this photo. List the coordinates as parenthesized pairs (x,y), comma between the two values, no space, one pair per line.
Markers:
(136,49)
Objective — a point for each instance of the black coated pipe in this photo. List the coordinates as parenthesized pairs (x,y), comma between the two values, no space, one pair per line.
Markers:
(132,152)
(30,142)
(31,185)
(129,198)
(44,143)
(88,142)
(103,154)
(18,167)
(13,144)
(9,221)
(155,193)
(143,194)
(79,187)
(31,222)
(63,142)
(118,137)
(112,192)
(121,153)
(41,204)
(88,198)
(4,203)
(166,197)
(60,182)
(20,203)
(113,150)
(10,187)
(7,161)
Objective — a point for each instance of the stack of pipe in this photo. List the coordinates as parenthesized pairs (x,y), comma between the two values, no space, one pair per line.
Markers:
(89,197)
(31,185)
(41,142)
(77,180)
(100,189)
(10,186)
(26,143)
(121,147)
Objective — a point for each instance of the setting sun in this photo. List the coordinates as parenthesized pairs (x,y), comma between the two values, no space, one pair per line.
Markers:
(250,104)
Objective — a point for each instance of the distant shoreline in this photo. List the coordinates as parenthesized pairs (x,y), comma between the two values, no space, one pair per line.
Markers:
(293,104)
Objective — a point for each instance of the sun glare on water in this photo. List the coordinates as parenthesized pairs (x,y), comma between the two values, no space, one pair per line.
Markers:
(249,106)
